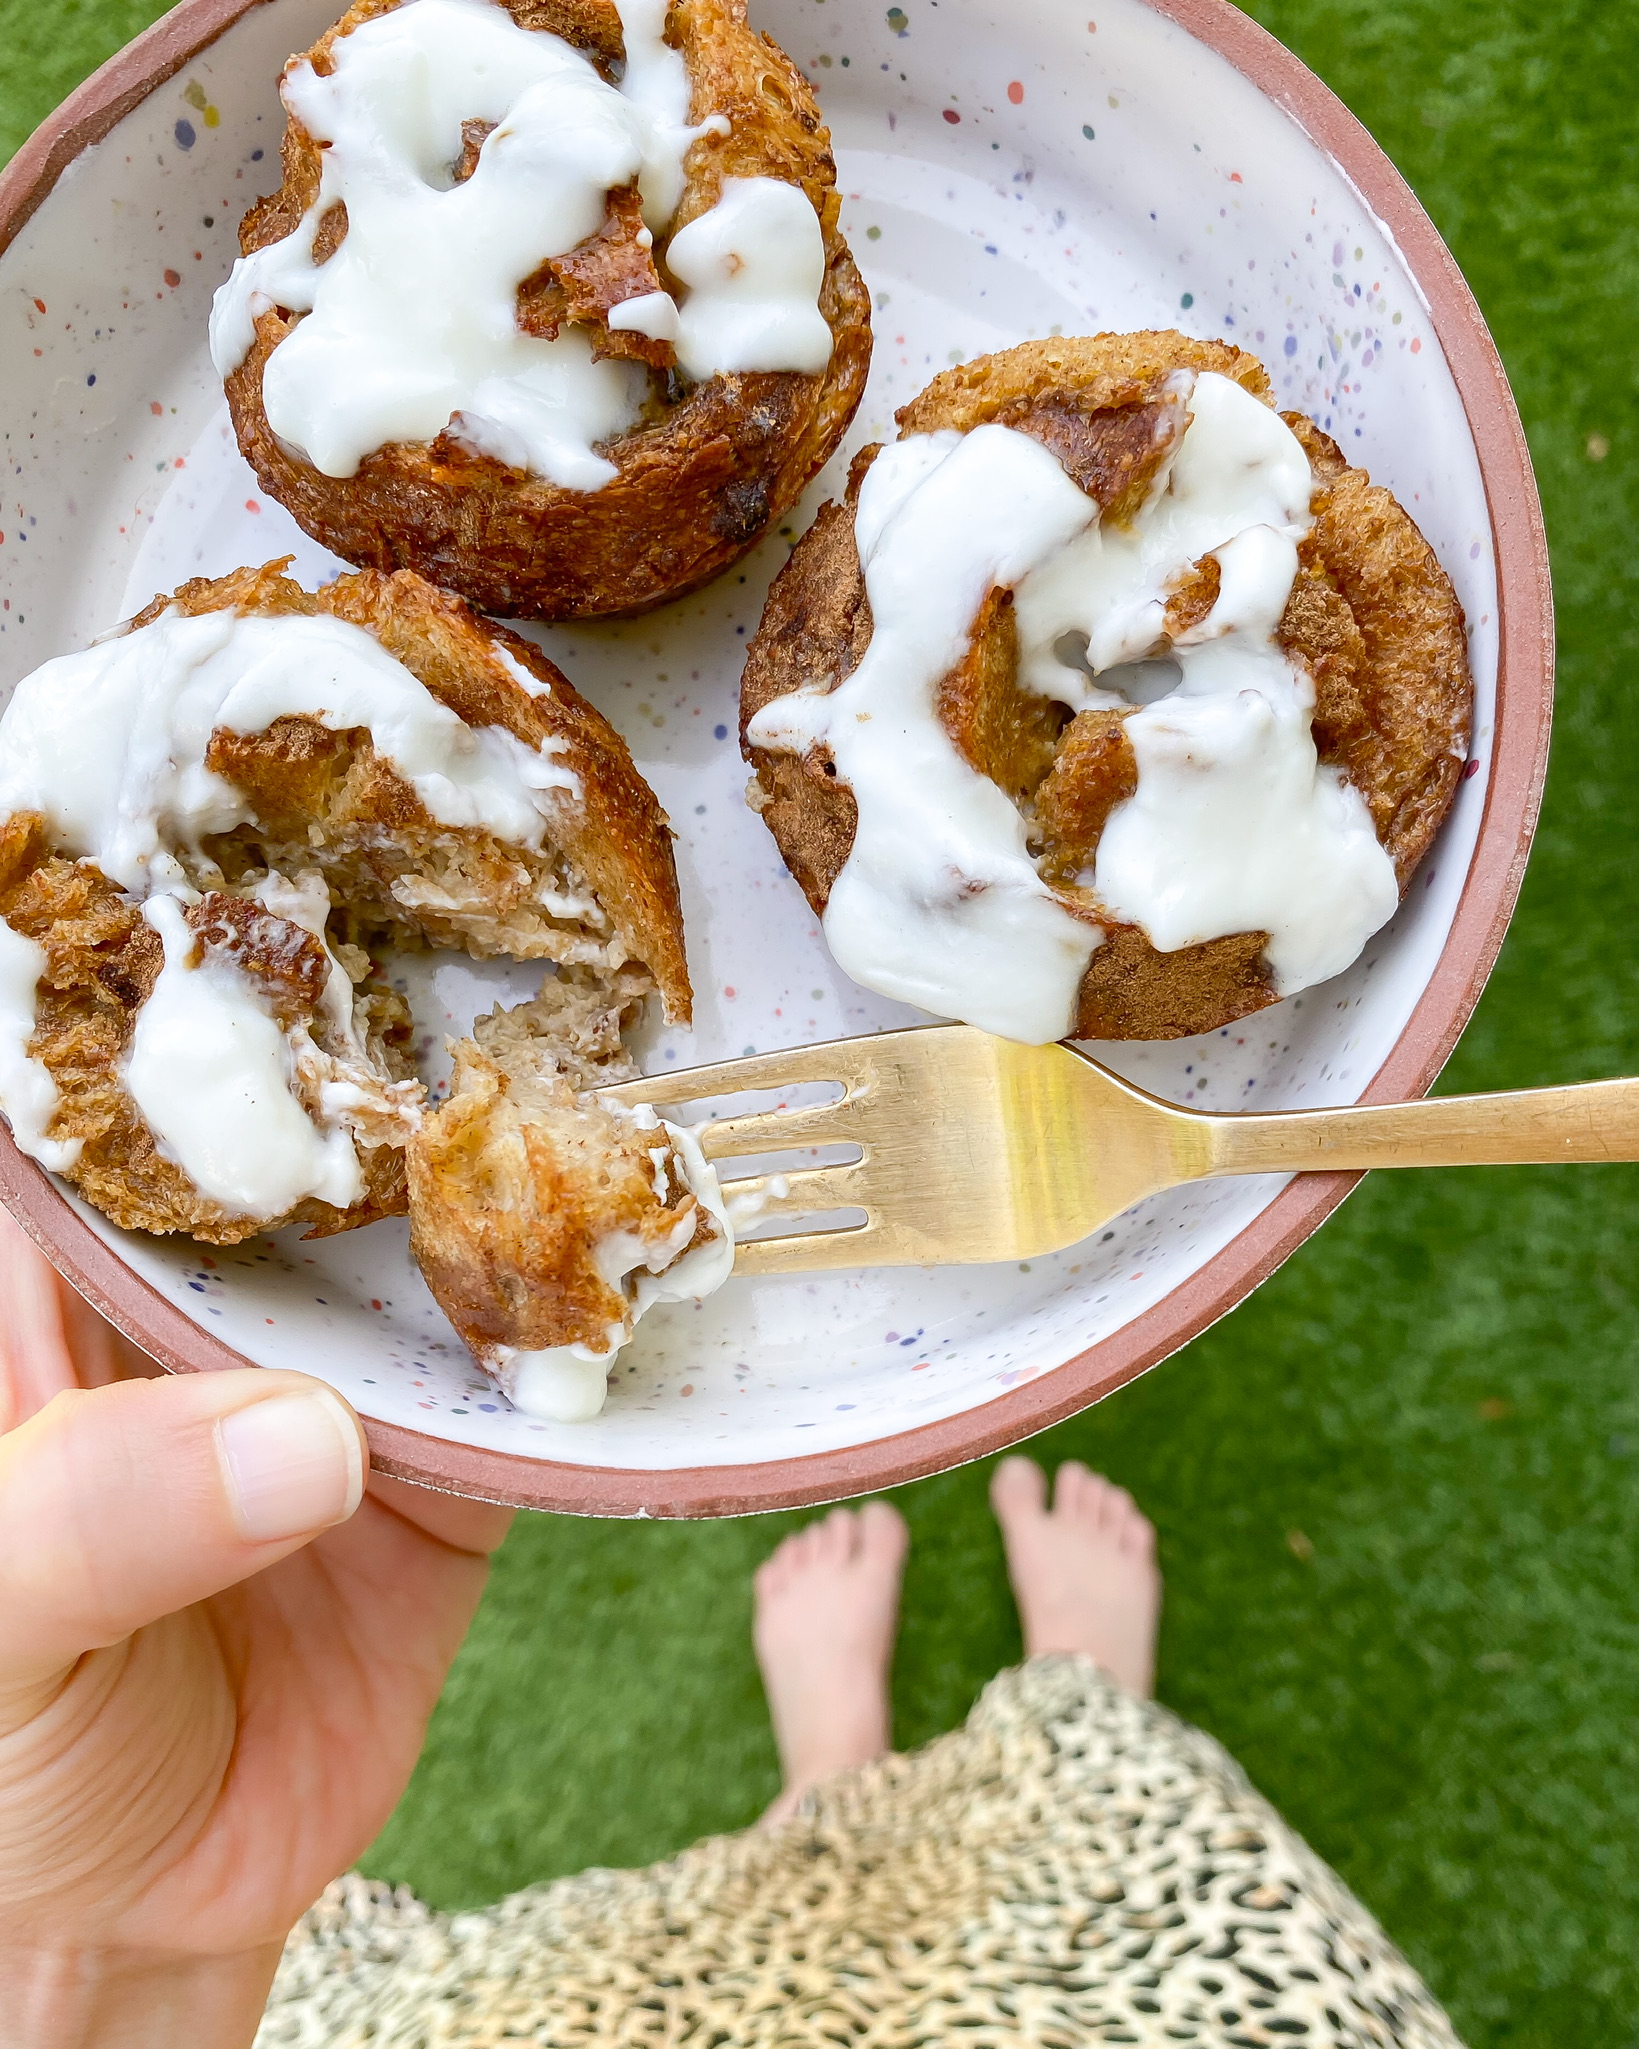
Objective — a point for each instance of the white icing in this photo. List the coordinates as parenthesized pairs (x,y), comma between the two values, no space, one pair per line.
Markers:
(212,1074)
(109,744)
(28,1094)
(745,1206)
(1235,826)
(650,313)
(754,266)
(410,327)
(939,902)
(569,1383)
(560,1383)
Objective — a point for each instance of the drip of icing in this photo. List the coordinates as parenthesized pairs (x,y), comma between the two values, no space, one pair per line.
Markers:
(109,744)
(1235,825)
(569,1383)
(411,325)
(754,266)
(650,313)
(28,1094)
(939,902)
(212,1074)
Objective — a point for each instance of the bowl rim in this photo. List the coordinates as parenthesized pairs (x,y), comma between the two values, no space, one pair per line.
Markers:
(1517,771)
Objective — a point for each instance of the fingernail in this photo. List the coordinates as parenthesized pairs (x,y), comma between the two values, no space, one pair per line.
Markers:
(292,1464)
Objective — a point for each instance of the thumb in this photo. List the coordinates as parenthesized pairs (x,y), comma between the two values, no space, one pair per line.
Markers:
(124,1503)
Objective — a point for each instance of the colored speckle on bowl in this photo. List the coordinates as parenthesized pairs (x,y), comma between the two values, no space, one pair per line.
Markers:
(194,94)
(1187,300)
(952,116)
(185,136)
(1015,92)
(1087,131)
(898,21)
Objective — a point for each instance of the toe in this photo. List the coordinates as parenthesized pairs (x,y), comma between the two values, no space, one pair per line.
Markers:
(1138,1533)
(778,1569)
(1077,1492)
(834,1538)
(883,1537)
(1118,1509)
(1018,1488)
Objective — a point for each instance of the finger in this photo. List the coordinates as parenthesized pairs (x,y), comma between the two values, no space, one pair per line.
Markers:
(464,1525)
(35,1360)
(122,1504)
(100,1353)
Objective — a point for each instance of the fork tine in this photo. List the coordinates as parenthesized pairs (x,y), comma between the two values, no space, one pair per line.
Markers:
(778,1131)
(805,1191)
(840,1060)
(807,1251)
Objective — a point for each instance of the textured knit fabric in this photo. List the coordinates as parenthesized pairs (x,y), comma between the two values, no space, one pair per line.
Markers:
(1074,1865)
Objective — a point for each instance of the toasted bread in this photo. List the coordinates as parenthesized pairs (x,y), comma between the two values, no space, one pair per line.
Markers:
(534,1206)
(707,468)
(598,897)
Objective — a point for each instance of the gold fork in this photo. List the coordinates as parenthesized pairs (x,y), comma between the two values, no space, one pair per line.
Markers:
(973,1148)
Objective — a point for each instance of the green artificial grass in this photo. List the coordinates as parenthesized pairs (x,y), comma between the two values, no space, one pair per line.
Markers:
(1398,1491)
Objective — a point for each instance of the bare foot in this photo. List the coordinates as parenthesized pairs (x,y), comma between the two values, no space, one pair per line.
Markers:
(1083,1571)
(827,1605)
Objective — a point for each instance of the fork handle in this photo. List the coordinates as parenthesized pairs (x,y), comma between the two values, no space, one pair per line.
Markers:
(1593,1121)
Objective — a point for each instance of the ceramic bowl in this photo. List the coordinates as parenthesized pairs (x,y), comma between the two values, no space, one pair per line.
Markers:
(1008,171)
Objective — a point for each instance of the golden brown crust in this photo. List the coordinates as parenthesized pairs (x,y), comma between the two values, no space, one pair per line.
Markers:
(1376,620)
(101,964)
(326,800)
(1372,615)
(815,625)
(700,479)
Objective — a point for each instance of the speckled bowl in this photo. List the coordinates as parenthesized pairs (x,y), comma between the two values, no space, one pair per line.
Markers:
(1008,171)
